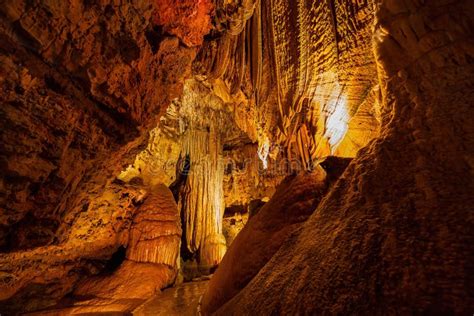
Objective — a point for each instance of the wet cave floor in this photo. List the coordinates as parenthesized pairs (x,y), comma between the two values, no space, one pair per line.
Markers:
(180,300)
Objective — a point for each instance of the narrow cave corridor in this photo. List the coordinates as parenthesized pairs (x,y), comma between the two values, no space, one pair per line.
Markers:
(237,157)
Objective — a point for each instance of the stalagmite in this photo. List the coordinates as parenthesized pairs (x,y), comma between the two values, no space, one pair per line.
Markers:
(203,202)
(155,232)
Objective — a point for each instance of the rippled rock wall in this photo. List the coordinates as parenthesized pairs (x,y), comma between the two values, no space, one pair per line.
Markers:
(394,234)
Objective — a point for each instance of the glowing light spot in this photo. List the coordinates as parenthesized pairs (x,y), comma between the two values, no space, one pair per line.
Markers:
(337,121)
(263,151)
(332,100)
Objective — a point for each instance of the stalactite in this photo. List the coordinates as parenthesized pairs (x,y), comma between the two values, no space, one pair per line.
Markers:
(256,47)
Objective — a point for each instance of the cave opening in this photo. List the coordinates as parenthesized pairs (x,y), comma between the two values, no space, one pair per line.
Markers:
(117,258)
(205,157)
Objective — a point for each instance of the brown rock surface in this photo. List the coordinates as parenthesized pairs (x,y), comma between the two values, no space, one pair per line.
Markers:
(81,84)
(394,236)
(151,256)
(151,233)
(155,233)
(129,286)
(80,81)
(189,20)
(293,202)
(151,260)
(102,101)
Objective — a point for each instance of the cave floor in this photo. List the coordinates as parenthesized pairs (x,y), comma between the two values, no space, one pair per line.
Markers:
(180,300)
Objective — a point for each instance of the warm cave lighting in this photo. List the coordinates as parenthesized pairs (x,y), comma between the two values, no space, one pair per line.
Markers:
(263,151)
(236,157)
(337,121)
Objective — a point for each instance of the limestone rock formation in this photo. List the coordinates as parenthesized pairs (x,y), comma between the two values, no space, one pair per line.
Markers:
(151,260)
(394,236)
(188,20)
(115,219)
(294,200)
(121,292)
(138,137)
(79,81)
(81,84)
(155,233)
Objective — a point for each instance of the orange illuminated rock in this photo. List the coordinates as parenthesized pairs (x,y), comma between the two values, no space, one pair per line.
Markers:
(81,85)
(294,201)
(189,19)
(155,234)
(100,101)
(394,235)
(128,287)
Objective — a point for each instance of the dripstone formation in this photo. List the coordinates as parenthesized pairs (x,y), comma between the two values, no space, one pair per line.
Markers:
(311,157)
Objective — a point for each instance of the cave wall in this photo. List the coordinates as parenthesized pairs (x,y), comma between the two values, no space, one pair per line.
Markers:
(322,77)
(82,83)
(308,73)
(394,235)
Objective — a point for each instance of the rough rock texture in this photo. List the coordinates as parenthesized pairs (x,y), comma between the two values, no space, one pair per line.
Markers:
(293,202)
(81,84)
(232,224)
(394,236)
(204,149)
(188,20)
(41,277)
(325,75)
(245,178)
(151,263)
(121,292)
(307,71)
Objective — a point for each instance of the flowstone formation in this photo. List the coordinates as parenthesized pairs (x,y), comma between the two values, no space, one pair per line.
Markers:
(394,234)
(145,143)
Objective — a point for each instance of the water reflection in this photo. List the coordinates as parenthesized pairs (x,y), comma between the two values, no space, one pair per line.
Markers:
(180,300)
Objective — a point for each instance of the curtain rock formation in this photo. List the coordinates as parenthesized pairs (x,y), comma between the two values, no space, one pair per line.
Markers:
(394,235)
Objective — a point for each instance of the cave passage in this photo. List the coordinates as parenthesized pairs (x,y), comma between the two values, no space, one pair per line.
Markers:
(254,157)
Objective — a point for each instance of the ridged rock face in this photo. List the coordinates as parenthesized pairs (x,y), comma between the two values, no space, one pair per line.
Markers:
(307,71)
(394,236)
(203,196)
(324,74)
(155,233)
(143,221)
(151,260)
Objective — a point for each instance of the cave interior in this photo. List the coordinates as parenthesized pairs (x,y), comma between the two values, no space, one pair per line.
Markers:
(237,157)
